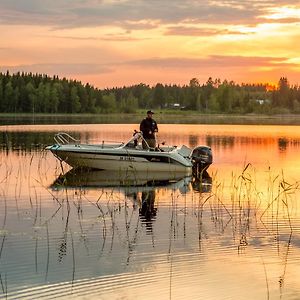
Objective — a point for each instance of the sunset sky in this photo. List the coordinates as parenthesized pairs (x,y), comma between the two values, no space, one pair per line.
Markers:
(118,42)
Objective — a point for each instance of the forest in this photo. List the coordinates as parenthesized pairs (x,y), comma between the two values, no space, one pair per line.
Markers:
(40,93)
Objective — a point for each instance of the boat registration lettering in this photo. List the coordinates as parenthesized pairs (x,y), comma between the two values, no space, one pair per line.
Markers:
(126,158)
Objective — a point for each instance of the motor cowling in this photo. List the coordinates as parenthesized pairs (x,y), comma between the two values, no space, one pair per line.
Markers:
(201,158)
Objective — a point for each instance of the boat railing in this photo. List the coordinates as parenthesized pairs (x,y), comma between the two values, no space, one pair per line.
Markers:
(63,138)
(136,141)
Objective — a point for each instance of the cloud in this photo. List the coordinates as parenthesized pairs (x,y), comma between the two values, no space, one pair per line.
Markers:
(133,14)
(121,38)
(194,31)
(212,62)
(283,20)
(107,37)
(169,70)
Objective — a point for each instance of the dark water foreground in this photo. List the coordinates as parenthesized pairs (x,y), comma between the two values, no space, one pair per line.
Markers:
(234,234)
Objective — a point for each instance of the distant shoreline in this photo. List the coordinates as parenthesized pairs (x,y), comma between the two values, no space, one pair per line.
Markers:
(163,117)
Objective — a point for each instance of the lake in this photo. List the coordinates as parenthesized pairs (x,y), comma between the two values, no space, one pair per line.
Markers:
(234,234)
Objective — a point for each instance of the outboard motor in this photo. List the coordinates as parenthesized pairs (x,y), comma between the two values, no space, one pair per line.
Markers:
(201,158)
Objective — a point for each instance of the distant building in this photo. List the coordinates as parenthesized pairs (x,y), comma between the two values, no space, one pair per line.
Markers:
(262,101)
(174,105)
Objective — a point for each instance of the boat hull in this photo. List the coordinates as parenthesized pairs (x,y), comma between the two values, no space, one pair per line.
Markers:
(123,160)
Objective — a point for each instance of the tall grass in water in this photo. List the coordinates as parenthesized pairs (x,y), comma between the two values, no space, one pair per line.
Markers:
(244,196)
(269,205)
(239,204)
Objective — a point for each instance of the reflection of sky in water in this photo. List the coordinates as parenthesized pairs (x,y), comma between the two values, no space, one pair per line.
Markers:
(100,242)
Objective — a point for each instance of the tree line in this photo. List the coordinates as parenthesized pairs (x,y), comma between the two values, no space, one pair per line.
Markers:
(40,93)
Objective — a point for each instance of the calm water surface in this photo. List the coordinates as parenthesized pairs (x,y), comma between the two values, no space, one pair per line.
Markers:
(99,235)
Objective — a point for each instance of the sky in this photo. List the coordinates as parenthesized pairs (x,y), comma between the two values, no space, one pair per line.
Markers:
(113,43)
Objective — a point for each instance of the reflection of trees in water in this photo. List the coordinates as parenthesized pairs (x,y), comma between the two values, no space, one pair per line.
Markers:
(283,144)
(25,140)
(230,141)
(36,141)
(193,140)
(214,141)
(32,140)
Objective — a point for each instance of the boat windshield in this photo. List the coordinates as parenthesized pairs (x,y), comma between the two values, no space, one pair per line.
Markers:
(137,141)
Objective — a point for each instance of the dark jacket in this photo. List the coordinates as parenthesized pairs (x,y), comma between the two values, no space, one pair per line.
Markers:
(147,125)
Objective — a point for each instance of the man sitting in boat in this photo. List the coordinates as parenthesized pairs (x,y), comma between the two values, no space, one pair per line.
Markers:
(149,127)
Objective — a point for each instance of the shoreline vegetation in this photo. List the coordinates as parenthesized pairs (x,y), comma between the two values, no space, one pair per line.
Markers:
(40,93)
(162,116)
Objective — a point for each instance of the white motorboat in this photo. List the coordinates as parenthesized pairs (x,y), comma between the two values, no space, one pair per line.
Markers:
(130,155)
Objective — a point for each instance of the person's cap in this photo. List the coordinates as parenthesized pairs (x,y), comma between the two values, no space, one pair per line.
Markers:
(150,112)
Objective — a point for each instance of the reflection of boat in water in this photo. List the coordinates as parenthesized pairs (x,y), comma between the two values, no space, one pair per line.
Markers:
(102,178)
(130,155)
(147,210)
(202,184)
(140,187)
(90,178)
